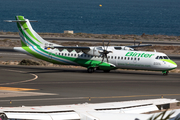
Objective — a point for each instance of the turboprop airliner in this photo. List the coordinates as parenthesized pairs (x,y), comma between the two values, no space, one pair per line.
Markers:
(103,57)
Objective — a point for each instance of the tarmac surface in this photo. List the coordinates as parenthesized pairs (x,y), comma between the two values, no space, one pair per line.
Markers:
(37,86)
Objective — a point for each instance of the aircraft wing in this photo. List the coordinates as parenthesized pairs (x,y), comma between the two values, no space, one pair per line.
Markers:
(135,46)
(72,47)
(88,48)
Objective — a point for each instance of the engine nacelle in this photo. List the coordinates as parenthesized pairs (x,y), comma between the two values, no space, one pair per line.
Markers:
(127,48)
(95,51)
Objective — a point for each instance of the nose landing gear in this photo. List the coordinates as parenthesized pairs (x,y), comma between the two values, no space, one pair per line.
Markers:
(165,72)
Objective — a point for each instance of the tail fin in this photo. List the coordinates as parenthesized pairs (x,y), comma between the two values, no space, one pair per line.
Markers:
(28,36)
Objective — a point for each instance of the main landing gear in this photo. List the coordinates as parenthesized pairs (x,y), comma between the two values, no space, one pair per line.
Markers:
(165,72)
(92,69)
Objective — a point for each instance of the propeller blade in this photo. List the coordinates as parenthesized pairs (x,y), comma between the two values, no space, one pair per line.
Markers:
(103,45)
(107,45)
(103,58)
(107,58)
(105,52)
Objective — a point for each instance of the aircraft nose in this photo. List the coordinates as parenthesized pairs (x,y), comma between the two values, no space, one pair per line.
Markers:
(173,64)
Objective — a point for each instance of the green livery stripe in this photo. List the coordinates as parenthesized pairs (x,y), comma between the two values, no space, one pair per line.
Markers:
(23,44)
(40,56)
(24,25)
(169,61)
(38,47)
(24,34)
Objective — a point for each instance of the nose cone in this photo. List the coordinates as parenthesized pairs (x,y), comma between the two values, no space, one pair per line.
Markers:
(172,64)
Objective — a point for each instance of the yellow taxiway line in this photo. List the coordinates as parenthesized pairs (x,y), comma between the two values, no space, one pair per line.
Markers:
(16,89)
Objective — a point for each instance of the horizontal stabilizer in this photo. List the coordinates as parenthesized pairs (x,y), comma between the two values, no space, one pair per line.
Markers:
(19,21)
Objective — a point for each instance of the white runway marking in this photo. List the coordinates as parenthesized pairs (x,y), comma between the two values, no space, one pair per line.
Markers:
(35,77)
(87,98)
(12,54)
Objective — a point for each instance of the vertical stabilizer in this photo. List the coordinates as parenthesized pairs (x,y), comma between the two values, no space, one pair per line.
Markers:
(28,36)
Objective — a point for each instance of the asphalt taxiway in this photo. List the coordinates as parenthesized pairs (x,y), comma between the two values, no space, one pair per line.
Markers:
(34,86)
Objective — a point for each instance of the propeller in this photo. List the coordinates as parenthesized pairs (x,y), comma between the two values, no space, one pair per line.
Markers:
(105,52)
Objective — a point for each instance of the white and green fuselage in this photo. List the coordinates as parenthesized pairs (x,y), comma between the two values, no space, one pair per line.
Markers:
(34,45)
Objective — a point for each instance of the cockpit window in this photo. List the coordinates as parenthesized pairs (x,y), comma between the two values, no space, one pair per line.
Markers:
(162,57)
(165,57)
(157,57)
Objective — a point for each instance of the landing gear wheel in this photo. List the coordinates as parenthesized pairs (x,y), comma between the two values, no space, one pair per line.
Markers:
(106,71)
(165,72)
(90,70)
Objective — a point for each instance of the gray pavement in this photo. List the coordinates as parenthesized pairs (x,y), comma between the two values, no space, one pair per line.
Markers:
(55,86)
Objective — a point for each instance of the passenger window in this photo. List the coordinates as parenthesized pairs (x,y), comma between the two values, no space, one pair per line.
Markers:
(65,54)
(118,57)
(124,58)
(132,58)
(75,55)
(138,59)
(68,54)
(128,58)
(71,54)
(121,58)
(111,57)
(115,57)
(108,56)
(62,54)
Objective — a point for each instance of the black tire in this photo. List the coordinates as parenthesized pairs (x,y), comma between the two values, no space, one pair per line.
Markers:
(90,70)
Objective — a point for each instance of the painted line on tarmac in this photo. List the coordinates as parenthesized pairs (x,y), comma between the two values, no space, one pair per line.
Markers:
(35,77)
(160,95)
(90,98)
(11,54)
(16,89)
